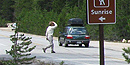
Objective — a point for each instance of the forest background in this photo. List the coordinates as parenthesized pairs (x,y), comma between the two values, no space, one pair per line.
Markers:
(33,17)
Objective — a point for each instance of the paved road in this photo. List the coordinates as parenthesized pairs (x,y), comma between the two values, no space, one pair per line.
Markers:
(72,55)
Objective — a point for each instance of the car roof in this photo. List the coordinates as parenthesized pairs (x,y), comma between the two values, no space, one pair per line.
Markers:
(75,27)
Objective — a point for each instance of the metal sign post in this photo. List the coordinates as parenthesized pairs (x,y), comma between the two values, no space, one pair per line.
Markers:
(101,12)
(101,40)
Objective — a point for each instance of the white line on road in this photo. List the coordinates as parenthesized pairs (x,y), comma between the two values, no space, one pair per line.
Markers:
(2,44)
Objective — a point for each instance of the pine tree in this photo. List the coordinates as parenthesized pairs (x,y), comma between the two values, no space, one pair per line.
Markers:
(126,54)
(20,50)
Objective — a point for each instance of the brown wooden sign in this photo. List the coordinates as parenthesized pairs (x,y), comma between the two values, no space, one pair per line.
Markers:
(101,11)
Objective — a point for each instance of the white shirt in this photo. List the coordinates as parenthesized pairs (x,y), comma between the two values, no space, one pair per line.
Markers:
(50,30)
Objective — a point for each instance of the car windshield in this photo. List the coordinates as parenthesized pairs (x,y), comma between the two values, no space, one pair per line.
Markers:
(77,31)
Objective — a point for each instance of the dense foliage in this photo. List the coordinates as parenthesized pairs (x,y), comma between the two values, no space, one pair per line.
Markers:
(34,16)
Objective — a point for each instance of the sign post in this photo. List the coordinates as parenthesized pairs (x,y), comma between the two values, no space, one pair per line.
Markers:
(101,12)
(101,41)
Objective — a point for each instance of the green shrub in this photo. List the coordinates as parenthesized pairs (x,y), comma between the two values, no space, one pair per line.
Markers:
(7,62)
(20,50)
(3,22)
(126,54)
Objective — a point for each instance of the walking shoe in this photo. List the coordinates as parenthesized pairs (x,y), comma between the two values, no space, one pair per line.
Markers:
(44,50)
(53,52)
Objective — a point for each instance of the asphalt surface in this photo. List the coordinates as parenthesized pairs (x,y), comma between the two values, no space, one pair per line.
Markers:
(72,55)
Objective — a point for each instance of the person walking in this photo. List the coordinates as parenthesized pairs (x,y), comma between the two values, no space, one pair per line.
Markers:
(49,36)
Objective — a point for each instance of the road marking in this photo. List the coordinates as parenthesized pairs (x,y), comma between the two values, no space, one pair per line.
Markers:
(2,44)
(37,43)
(115,58)
(5,36)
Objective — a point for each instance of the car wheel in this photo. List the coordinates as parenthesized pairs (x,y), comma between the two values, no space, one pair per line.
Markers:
(86,45)
(66,45)
(80,45)
(60,44)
